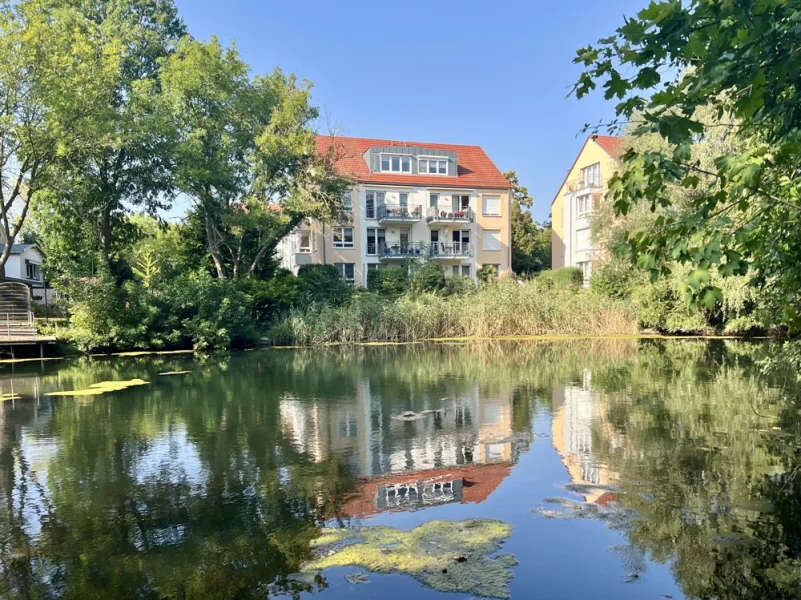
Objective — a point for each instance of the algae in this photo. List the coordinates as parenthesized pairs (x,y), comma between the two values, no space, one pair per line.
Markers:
(175,373)
(10,396)
(101,388)
(446,556)
(613,514)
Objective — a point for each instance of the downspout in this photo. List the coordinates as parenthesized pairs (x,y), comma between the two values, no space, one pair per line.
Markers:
(324,261)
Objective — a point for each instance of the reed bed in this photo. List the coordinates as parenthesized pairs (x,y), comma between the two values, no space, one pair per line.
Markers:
(505,309)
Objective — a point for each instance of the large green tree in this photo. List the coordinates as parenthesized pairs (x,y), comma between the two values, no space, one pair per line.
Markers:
(246,153)
(55,78)
(740,60)
(531,241)
(128,163)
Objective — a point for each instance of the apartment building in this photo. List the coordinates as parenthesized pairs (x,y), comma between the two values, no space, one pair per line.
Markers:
(443,202)
(583,188)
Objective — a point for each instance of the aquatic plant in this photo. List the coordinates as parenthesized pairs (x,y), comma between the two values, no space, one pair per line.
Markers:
(101,388)
(446,556)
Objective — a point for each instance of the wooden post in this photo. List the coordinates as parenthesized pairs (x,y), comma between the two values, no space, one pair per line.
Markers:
(12,352)
(41,350)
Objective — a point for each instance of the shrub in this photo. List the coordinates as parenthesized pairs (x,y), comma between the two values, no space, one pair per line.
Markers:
(388,282)
(428,278)
(323,283)
(460,286)
(487,274)
(562,278)
(615,280)
(272,297)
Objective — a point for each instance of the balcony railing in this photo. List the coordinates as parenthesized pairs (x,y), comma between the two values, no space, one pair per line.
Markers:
(399,213)
(448,215)
(582,184)
(401,250)
(455,250)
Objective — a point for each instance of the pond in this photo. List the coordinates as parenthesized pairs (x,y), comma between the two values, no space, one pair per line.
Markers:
(557,470)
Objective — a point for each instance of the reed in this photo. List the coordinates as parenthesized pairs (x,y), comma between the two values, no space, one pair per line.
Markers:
(504,309)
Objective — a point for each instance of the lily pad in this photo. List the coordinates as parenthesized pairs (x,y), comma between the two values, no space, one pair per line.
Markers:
(10,396)
(101,388)
(446,556)
(175,373)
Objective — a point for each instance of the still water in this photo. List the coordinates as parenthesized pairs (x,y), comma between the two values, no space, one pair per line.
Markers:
(619,469)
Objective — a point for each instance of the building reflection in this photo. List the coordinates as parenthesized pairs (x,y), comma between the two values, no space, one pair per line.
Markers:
(459,452)
(578,411)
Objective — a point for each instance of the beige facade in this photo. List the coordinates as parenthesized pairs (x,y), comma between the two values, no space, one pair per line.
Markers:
(448,219)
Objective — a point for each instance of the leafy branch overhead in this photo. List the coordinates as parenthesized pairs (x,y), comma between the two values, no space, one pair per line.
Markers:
(674,66)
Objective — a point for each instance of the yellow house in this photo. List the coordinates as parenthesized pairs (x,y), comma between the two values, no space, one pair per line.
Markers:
(582,189)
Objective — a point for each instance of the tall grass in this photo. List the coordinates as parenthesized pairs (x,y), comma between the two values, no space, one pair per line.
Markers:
(506,308)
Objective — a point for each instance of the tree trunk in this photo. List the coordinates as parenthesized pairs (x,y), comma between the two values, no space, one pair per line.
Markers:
(105,234)
(211,239)
(273,243)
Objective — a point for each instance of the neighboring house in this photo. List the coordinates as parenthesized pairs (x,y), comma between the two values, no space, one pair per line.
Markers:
(25,265)
(583,188)
(410,200)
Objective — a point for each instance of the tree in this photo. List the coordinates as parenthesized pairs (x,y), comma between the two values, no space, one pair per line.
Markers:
(739,60)
(246,153)
(531,242)
(128,163)
(53,84)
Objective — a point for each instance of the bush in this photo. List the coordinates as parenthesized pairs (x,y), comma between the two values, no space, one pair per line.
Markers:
(487,274)
(272,298)
(615,280)
(460,286)
(388,282)
(562,278)
(323,283)
(428,278)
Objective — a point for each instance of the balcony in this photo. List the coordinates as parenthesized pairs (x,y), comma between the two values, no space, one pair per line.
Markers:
(579,184)
(439,214)
(400,213)
(457,250)
(400,250)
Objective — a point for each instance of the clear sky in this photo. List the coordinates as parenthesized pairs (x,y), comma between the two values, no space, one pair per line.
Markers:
(490,73)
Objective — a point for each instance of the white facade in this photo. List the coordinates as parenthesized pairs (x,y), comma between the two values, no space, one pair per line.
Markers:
(579,203)
(25,264)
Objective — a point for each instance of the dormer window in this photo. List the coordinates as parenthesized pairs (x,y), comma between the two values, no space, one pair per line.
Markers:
(396,164)
(432,166)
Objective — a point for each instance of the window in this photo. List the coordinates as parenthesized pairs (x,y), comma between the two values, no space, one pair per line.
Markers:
(404,200)
(348,271)
(583,239)
(433,200)
(396,164)
(373,199)
(491,206)
(305,242)
(492,239)
(32,271)
(461,241)
(375,266)
(586,270)
(347,201)
(343,237)
(430,166)
(456,270)
(584,205)
(497,269)
(591,176)
(376,238)
(460,202)
(465,270)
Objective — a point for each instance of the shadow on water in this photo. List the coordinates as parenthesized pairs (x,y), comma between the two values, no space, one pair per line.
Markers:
(216,480)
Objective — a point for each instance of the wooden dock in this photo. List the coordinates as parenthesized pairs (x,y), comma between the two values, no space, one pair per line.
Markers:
(17,326)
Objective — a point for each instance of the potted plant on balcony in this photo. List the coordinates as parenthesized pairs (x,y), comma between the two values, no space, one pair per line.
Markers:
(416,211)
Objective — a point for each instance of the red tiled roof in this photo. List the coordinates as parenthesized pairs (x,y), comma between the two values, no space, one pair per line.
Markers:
(475,169)
(610,144)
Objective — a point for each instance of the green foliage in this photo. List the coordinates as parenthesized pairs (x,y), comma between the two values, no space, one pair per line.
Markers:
(428,278)
(388,282)
(531,242)
(460,286)
(272,297)
(615,280)
(566,277)
(737,64)
(487,274)
(323,284)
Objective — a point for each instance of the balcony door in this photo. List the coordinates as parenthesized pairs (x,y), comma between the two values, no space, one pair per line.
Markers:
(435,247)
(461,241)
(405,237)
(460,203)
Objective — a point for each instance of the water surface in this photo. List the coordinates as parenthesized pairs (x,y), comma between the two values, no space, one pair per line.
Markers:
(627,469)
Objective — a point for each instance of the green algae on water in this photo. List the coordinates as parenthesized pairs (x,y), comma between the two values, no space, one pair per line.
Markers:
(101,388)
(444,555)
(175,373)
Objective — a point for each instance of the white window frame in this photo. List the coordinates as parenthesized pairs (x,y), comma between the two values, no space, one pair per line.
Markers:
(402,159)
(585,267)
(489,234)
(583,206)
(433,199)
(441,162)
(347,201)
(342,268)
(32,271)
(343,243)
(379,198)
(591,176)
(301,248)
(466,271)
(485,209)
(375,231)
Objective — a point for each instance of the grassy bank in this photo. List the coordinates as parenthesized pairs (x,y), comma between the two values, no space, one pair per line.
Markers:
(507,308)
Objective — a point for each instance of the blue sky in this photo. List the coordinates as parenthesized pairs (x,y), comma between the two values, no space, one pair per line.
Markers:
(495,74)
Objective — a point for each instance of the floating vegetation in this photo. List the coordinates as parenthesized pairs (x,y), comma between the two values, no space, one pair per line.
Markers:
(584,489)
(175,373)
(446,556)
(410,415)
(613,514)
(357,578)
(10,396)
(101,388)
